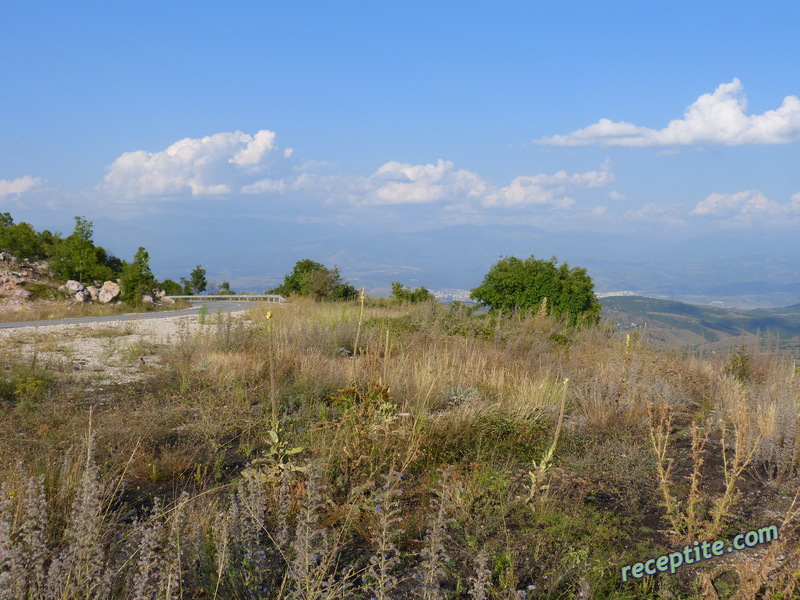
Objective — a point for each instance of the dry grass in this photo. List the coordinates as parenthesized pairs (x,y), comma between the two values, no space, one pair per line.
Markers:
(373,450)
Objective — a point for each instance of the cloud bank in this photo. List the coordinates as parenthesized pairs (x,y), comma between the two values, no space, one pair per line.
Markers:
(713,119)
(227,164)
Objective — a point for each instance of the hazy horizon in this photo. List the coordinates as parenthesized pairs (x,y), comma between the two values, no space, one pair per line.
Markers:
(413,141)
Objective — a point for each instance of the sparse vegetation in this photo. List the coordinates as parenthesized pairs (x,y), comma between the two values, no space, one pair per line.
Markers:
(403,293)
(46,311)
(328,450)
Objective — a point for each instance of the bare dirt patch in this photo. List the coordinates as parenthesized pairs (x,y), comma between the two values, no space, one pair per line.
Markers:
(101,354)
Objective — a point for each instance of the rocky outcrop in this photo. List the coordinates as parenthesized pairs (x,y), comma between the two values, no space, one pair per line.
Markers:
(15,276)
(11,285)
(109,292)
(78,291)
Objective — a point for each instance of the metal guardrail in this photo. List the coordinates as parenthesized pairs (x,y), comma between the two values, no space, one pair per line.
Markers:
(267,297)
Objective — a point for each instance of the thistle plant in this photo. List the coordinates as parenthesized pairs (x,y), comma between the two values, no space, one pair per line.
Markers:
(386,507)
(34,548)
(482,580)
(159,569)
(313,551)
(81,569)
(434,554)
(6,546)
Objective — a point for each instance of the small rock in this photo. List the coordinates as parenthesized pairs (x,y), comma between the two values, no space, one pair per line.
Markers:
(21,294)
(73,287)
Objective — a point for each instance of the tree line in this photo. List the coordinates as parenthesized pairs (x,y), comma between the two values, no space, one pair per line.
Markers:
(511,286)
(76,257)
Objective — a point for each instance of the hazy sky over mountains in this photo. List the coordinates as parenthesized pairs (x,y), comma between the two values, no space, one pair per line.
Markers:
(657,120)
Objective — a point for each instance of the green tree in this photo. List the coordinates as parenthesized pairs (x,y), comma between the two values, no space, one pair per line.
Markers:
(513,285)
(310,278)
(225,289)
(137,278)
(76,257)
(197,280)
(405,294)
(20,239)
(81,248)
(171,288)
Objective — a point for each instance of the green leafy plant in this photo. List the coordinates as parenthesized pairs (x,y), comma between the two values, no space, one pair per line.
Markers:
(273,460)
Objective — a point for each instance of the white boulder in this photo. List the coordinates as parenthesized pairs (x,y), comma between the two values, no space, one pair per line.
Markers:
(109,292)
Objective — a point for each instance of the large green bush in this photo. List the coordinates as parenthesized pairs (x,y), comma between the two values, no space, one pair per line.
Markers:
(310,278)
(513,285)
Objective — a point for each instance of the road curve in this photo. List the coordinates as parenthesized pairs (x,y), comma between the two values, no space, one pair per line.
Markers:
(226,306)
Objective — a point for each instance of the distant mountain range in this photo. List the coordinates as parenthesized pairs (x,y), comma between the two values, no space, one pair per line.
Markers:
(733,269)
(702,327)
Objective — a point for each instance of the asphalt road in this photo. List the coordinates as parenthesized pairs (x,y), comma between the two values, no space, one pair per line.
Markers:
(213,307)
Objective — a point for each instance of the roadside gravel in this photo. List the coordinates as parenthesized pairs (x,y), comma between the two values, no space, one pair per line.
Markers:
(105,353)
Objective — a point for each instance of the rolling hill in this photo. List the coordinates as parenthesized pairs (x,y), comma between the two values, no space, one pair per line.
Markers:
(702,327)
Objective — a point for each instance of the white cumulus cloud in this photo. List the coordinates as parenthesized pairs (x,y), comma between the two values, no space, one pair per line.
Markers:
(257,147)
(713,119)
(553,189)
(743,207)
(396,183)
(212,165)
(9,187)
(237,164)
(402,183)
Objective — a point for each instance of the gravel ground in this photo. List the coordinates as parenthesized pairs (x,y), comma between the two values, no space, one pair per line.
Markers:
(101,354)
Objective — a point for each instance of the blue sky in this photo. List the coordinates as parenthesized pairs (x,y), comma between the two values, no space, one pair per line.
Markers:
(165,122)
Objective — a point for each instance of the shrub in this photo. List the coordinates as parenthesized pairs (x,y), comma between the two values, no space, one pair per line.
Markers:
(513,285)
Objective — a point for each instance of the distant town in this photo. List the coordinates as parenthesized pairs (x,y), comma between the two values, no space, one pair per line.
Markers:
(452,294)
(622,293)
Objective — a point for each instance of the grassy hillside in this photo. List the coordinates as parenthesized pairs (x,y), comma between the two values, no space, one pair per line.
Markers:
(703,327)
(326,451)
